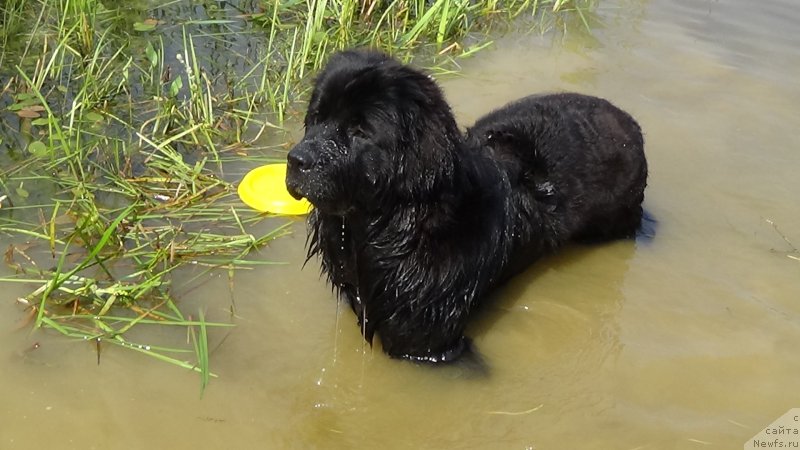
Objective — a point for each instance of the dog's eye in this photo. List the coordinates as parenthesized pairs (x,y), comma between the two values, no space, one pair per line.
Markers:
(311,117)
(358,131)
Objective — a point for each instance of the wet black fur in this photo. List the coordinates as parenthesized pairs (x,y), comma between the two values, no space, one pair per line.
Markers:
(415,221)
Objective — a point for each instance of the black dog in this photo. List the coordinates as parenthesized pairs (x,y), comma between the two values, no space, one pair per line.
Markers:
(416,222)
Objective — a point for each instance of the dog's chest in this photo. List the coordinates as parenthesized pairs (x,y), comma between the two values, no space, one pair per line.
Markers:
(340,253)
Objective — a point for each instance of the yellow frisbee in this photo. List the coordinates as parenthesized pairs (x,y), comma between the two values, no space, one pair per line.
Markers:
(264,189)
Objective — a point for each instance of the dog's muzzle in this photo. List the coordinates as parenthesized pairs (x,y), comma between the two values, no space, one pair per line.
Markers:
(299,163)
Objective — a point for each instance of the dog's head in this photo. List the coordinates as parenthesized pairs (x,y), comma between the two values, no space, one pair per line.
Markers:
(374,129)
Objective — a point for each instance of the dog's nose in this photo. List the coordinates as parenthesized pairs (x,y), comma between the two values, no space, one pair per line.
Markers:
(300,159)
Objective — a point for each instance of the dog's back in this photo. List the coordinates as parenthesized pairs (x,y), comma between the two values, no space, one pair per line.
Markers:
(574,162)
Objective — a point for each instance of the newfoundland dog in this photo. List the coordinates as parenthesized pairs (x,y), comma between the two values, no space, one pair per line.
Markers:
(415,222)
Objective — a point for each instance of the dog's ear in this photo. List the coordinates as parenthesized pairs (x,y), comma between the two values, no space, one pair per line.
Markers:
(428,136)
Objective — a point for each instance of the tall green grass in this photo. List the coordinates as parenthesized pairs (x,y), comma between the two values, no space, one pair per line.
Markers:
(117,124)
(301,34)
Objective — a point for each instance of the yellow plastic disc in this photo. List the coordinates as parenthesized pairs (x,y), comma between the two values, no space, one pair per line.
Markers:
(264,189)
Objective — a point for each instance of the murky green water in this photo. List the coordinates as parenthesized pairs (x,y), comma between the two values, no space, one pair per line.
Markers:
(688,341)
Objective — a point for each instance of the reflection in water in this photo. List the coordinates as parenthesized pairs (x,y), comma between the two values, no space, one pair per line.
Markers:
(686,341)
